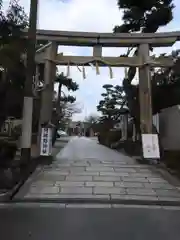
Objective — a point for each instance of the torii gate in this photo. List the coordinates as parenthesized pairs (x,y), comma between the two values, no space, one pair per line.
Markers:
(48,55)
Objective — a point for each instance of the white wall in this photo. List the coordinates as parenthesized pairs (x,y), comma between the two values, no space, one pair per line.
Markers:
(169,128)
(156,121)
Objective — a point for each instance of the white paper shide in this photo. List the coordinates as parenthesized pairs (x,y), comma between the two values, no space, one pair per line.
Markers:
(46,142)
(150,146)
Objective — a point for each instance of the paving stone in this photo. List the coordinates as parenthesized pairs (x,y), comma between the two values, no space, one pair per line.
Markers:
(144,170)
(65,161)
(138,166)
(110,165)
(88,206)
(115,174)
(157,180)
(79,161)
(99,184)
(141,175)
(51,205)
(139,191)
(168,193)
(76,190)
(129,184)
(135,179)
(60,165)
(41,196)
(169,199)
(51,178)
(84,196)
(135,206)
(65,169)
(106,179)
(57,173)
(133,197)
(84,173)
(118,196)
(67,196)
(128,170)
(108,190)
(164,186)
(94,161)
(101,169)
(35,205)
(81,164)
(43,183)
(78,178)
(76,169)
(69,184)
(114,162)
(44,190)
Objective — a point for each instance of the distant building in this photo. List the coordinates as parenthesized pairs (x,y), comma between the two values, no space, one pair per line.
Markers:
(77,126)
(9,124)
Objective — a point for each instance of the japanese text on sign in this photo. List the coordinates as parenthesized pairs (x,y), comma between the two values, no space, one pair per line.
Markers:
(150,146)
(46,142)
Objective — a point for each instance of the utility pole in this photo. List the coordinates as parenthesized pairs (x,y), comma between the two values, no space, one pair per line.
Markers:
(28,94)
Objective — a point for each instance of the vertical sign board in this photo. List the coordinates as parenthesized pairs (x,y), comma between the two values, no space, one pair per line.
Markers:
(46,142)
(150,146)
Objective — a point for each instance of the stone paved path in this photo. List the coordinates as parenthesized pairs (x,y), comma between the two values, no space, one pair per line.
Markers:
(86,170)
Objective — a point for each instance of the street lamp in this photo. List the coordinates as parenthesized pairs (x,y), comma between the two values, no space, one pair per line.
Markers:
(28,93)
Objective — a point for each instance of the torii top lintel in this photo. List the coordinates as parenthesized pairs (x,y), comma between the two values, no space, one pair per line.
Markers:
(70,38)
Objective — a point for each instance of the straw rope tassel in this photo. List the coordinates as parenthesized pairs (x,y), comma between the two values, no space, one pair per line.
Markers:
(97,68)
(68,70)
(126,73)
(84,73)
(110,72)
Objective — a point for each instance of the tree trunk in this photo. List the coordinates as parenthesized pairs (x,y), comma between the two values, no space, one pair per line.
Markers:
(58,107)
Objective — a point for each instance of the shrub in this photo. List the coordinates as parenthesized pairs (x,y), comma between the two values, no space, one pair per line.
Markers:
(16,131)
(102,137)
(7,153)
(108,137)
(114,135)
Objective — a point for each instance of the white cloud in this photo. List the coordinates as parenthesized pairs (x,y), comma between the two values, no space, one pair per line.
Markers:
(96,16)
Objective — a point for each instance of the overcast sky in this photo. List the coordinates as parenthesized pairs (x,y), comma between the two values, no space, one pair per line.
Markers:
(92,16)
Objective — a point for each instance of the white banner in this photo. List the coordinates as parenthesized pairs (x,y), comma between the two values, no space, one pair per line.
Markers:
(46,142)
(150,146)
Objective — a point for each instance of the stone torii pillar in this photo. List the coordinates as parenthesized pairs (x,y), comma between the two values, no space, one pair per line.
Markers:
(48,92)
(145,98)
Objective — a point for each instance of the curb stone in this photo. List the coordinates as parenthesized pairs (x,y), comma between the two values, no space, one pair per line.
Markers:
(100,201)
